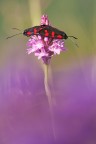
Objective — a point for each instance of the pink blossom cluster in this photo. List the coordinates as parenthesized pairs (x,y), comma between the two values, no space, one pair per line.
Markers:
(45,47)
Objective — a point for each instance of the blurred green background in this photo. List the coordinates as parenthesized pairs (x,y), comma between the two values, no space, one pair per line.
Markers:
(75,17)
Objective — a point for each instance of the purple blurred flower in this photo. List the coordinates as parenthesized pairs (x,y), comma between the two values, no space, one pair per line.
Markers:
(45,47)
(24,109)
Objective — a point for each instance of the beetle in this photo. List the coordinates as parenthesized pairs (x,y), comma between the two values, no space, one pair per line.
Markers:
(44,31)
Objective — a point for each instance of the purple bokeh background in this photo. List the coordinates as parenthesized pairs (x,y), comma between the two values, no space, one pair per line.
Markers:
(24,111)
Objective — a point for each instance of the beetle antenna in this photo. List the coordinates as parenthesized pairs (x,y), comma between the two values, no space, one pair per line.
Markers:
(13,35)
(73,37)
(73,40)
(16,29)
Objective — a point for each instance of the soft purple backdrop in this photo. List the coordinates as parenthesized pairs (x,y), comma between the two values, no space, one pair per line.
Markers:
(24,111)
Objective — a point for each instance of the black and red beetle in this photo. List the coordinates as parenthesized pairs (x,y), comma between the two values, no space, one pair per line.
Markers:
(44,31)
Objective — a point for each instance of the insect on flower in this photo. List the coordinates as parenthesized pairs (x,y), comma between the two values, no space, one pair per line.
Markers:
(44,31)
(45,40)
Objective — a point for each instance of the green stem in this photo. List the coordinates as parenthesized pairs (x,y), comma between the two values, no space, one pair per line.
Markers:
(46,84)
(49,96)
(35,11)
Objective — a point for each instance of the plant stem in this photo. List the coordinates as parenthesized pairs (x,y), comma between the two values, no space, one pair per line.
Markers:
(46,84)
(35,11)
(49,96)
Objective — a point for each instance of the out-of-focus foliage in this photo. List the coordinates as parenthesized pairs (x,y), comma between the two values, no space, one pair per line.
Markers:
(75,17)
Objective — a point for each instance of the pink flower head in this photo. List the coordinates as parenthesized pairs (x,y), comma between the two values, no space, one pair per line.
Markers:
(45,47)
(44,20)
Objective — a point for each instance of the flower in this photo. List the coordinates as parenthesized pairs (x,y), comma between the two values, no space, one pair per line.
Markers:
(44,47)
